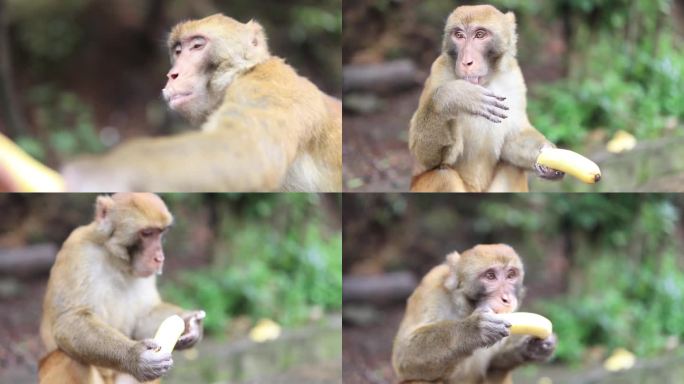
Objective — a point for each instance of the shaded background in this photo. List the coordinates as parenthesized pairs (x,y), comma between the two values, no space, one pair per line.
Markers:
(593,68)
(607,270)
(240,257)
(79,76)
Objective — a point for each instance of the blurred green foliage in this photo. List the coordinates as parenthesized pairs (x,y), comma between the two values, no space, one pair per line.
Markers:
(625,72)
(627,276)
(279,260)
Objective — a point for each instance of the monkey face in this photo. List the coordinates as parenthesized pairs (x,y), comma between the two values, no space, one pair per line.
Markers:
(499,288)
(471,45)
(475,39)
(147,253)
(186,89)
(489,275)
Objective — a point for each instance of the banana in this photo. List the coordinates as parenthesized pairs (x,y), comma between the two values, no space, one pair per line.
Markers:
(571,163)
(27,173)
(168,333)
(526,323)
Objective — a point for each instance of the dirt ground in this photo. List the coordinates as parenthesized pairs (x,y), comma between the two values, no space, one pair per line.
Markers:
(367,350)
(375,150)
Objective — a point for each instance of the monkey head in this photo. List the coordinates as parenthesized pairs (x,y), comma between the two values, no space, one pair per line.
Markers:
(132,226)
(206,56)
(476,38)
(488,275)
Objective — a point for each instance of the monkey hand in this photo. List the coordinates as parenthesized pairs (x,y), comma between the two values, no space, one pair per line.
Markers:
(486,103)
(461,95)
(193,329)
(548,173)
(536,349)
(145,363)
(490,327)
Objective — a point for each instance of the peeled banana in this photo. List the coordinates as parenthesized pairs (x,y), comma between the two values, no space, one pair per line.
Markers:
(27,173)
(168,333)
(571,163)
(526,323)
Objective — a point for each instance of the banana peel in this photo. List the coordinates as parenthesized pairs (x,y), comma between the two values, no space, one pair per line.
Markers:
(526,323)
(25,173)
(571,163)
(169,332)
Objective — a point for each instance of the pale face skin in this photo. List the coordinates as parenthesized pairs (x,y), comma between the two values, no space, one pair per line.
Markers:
(186,88)
(472,43)
(500,284)
(149,259)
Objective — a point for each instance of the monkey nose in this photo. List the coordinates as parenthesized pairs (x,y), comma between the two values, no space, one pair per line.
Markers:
(172,75)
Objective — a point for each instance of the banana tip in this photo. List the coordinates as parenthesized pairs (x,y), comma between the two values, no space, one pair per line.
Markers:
(597,178)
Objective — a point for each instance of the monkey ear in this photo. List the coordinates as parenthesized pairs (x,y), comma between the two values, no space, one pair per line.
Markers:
(258,48)
(451,281)
(103,206)
(256,33)
(103,209)
(511,18)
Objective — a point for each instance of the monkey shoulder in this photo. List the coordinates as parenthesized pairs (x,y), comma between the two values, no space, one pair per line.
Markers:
(431,299)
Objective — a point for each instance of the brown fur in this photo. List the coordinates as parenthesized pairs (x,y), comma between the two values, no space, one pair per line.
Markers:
(440,337)
(263,127)
(448,130)
(95,309)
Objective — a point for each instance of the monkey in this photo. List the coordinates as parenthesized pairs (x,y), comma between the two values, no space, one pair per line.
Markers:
(101,306)
(263,126)
(449,333)
(470,132)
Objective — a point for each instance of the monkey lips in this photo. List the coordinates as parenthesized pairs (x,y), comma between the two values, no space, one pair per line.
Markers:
(174,99)
(472,79)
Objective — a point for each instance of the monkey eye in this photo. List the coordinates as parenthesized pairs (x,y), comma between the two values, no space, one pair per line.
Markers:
(480,34)
(459,34)
(177,50)
(490,275)
(147,232)
(512,274)
(197,46)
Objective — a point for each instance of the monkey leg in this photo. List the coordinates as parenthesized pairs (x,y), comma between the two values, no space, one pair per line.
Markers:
(59,368)
(508,178)
(442,179)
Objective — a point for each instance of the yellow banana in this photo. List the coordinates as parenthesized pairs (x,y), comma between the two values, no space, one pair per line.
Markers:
(526,323)
(28,174)
(168,333)
(571,163)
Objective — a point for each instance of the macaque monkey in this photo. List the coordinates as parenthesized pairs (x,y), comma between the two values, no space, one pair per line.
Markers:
(449,333)
(470,132)
(102,308)
(263,127)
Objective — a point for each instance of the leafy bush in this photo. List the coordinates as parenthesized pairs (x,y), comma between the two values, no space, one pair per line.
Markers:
(289,272)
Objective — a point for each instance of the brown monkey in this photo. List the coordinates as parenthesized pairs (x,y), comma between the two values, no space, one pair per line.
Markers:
(449,334)
(263,127)
(102,307)
(470,132)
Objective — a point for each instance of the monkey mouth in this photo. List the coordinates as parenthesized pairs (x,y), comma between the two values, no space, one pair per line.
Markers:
(472,79)
(178,98)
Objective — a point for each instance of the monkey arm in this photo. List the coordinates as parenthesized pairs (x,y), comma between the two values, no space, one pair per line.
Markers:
(430,351)
(521,349)
(147,324)
(239,158)
(82,335)
(522,148)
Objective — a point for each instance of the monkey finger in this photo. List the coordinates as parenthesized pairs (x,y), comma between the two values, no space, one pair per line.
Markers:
(495,113)
(488,117)
(150,344)
(492,94)
(496,104)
